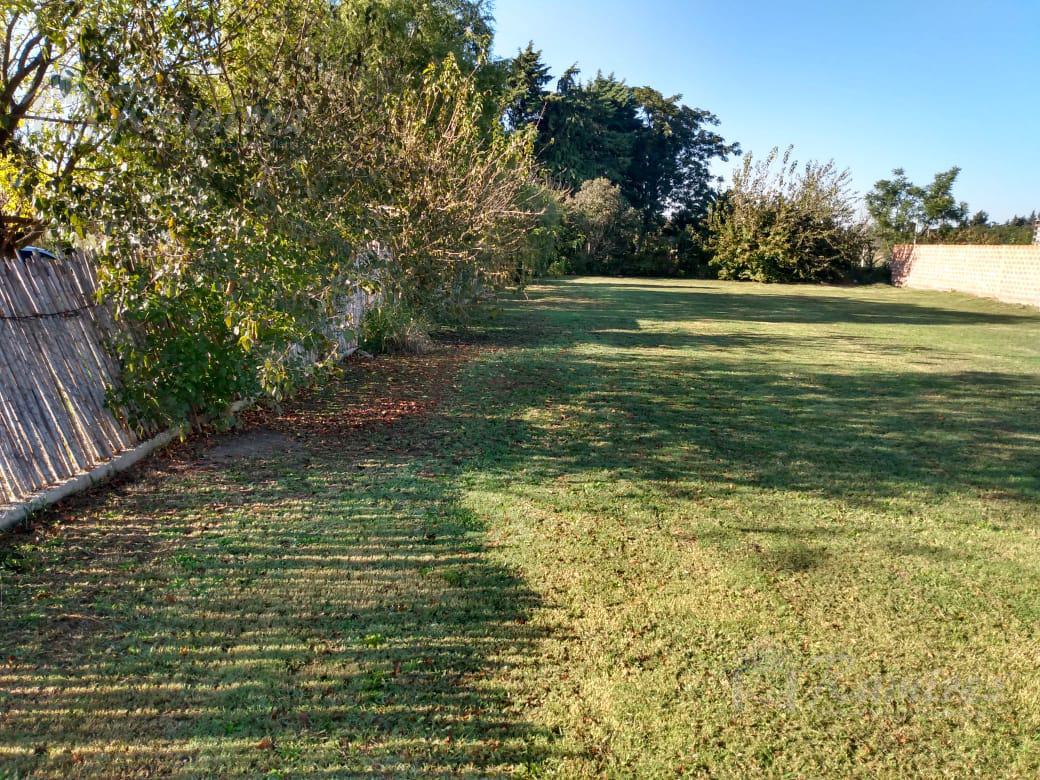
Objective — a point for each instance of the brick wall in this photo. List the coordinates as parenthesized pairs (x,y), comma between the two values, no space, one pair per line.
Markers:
(1007,273)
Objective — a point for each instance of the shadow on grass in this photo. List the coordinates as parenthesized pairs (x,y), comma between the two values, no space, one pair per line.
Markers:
(876,425)
(327,611)
(611,301)
(734,409)
(856,436)
(330,610)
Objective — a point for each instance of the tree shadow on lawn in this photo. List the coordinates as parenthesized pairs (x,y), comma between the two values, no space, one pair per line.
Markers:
(788,413)
(861,437)
(781,411)
(327,611)
(613,301)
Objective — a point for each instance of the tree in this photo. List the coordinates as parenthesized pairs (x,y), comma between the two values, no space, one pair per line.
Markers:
(604,227)
(399,38)
(783,222)
(50,127)
(655,148)
(525,89)
(589,130)
(939,207)
(673,151)
(458,210)
(896,208)
(901,210)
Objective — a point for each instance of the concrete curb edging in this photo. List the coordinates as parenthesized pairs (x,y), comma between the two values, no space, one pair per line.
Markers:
(103,473)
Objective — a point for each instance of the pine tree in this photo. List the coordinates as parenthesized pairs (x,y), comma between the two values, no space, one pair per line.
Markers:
(526,93)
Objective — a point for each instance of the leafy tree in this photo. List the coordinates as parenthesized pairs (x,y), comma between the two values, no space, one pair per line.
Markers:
(656,149)
(673,151)
(900,209)
(458,209)
(589,130)
(939,207)
(604,227)
(896,207)
(544,250)
(399,38)
(50,129)
(783,222)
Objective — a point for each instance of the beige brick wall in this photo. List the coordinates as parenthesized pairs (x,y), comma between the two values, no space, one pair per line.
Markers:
(1007,273)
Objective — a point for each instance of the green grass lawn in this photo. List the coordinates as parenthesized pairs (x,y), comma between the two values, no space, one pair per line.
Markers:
(630,528)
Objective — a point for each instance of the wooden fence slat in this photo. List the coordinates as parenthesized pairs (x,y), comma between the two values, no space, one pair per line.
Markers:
(20,385)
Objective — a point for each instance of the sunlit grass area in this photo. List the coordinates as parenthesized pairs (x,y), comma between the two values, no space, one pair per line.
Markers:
(629,528)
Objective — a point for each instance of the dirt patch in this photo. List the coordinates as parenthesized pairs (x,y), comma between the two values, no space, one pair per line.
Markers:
(253,444)
(371,408)
(381,403)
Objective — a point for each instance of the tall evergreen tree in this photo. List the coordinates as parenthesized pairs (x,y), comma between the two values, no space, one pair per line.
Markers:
(656,149)
(525,88)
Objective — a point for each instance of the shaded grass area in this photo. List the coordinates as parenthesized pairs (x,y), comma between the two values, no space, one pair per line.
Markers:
(631,528)
(309,601)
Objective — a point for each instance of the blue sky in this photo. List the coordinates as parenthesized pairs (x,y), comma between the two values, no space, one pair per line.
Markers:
(873,84)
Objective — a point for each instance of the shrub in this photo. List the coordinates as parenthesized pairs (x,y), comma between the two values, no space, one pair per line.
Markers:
(787,223)
(394,328)
(540,254)
(233,159)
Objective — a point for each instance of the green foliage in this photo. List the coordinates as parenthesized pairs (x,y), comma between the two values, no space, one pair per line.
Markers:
(456,201)
(1006,233)
(657,150)
(51,129)
(782,222)
(896,208)
(544,244)
(652,146)
(979,230)
(391,327)
(939,206)
(181,357)
(245,165)
(603,228)
(525,89)
(902,210)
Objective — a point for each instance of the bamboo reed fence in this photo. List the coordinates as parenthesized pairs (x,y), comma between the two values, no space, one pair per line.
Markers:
(55,373)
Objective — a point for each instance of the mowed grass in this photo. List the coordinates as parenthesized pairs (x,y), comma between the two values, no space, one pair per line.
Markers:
(629,528)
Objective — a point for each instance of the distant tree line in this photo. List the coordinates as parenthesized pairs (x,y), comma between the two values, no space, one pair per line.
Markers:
(630,168)
(904,212)
(628,171)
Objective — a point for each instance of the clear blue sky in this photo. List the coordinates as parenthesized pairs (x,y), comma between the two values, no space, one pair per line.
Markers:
(873,84)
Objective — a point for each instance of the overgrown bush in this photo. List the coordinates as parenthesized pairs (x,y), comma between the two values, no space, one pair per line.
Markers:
(456,211)
(784,222)
(540,254)
(394,328)
(233,160)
